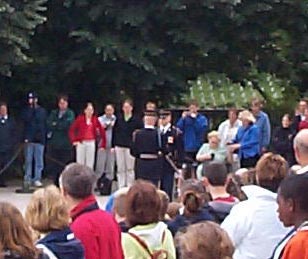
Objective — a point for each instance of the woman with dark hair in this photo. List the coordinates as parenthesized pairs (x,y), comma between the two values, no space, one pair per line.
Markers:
(283,139)
(194,199)
(15,235)
(83,134)
(147,237)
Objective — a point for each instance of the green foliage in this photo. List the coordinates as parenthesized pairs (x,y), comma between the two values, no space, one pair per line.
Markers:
(18,20)
(105,50)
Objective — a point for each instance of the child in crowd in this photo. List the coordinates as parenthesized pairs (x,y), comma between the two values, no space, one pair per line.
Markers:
(48,214)
(119,209)
(195,209)
(148,237)
(204,240)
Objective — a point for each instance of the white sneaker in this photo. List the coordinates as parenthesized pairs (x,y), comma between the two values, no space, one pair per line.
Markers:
(38,183)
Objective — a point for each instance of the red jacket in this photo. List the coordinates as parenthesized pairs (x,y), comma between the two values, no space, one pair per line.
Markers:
(97,230)
(303,125)
(78,127)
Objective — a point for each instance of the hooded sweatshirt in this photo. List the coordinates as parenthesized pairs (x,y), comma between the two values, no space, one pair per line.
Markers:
(153,236)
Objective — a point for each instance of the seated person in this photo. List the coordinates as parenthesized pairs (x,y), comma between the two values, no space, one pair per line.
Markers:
(193,197)
(205,240)
(211,151)
(216,181)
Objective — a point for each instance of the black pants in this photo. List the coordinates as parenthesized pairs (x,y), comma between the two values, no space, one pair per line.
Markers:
(249,162)
(167,180)
(4,158)
(57,159)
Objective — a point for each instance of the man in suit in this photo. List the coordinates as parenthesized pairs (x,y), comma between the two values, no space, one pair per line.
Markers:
(300,116)
(170,139)
(146,148)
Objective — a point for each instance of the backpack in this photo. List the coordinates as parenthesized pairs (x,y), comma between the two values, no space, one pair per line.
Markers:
(156,254)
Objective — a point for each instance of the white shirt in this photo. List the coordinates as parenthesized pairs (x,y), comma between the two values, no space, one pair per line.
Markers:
(253,225)
(302,170)
(227,132)
(163,129)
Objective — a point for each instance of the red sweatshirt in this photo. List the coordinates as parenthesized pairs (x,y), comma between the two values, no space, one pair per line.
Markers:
(97,230)
(77,131)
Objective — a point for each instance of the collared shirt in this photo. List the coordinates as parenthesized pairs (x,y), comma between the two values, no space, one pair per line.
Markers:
(253,225)
(149,127)
(263,123)
(163,129)
(303,170)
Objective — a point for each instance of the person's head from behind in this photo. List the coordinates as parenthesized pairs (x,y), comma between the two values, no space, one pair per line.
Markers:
(292,200)
(271,169)
(216,175)
(206,240)
(47,210)
(15,234)
(164,199)
(300,146)
(119,206)
(77,183)
(142,204)
(193,196)
(173,209)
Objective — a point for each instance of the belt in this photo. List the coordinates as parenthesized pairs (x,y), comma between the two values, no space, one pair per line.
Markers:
(148,156)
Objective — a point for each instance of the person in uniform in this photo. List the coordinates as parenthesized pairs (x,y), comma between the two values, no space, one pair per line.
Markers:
(170,147)
(146,148)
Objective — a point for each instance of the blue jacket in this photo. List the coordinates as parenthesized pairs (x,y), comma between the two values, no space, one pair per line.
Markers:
(63,244)
(193,130)
(182,221)
(34,120)
(249,139)
(262,121)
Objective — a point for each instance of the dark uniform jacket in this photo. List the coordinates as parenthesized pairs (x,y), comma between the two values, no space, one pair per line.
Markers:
(8,136)
(146,142)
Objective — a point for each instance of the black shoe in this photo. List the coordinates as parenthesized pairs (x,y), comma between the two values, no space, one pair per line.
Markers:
(3,185)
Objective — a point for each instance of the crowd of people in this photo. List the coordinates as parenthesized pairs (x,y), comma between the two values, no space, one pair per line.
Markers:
(238,196)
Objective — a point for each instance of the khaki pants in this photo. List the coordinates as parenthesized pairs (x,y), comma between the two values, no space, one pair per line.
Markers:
(105,160)
(85,153)
(125,164)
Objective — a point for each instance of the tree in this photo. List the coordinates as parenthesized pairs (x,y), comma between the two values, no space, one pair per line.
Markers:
(105,50)
(18,20)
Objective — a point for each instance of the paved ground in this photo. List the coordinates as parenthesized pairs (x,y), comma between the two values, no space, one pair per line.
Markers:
(21,200)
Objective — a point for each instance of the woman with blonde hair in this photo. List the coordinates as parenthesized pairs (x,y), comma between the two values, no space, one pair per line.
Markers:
(211,151)
(246,142)
(48,214)
(205,240)
(15,235)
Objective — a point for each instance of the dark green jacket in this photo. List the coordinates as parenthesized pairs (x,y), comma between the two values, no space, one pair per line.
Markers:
(58,129)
